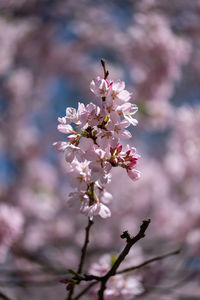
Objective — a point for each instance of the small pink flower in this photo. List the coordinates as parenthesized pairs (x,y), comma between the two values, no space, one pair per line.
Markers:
(71,152)
(118,93)
(80,174)
(96,209)
(99,87)
(105,139)
(118,129)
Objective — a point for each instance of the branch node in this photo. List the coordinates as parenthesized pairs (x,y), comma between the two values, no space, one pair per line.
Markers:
(126,235)
(144,225)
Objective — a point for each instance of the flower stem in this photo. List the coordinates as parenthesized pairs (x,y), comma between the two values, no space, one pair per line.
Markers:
(106,73)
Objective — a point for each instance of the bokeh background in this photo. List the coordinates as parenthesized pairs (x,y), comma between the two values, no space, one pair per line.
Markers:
(49,52)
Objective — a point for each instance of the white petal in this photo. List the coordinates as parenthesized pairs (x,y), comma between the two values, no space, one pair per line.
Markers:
(60,146)
(104,211)
(65,128)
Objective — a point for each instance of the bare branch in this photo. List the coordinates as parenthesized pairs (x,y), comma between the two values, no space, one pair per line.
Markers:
(84,249)
(129,243)
(106,73)
(85,290)
(149,261)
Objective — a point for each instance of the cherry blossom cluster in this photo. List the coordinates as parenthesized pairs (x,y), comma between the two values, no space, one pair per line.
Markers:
(93,145)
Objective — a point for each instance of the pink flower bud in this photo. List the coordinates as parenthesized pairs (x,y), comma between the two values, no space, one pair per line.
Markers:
(121,159)
(115,161)
(133,174)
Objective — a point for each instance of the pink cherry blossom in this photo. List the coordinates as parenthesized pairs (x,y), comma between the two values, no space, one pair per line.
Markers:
(118,93)
(99,87)
(95,209)
(71,152)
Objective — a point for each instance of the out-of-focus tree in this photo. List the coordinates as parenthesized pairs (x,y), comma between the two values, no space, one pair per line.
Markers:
(49,52)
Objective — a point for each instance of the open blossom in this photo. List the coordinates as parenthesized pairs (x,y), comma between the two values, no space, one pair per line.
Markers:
(95,209)
(99,87)
(128,110)
(80,174)
(118,94)
(94,146)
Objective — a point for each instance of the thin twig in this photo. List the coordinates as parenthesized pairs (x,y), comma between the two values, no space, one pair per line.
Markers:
(83,254)
(106,73)
(84,278)
(129,243)
(84,249)
(85,290)
(175,285)
(149,261)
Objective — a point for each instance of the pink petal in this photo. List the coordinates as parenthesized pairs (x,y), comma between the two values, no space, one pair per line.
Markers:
(65,128)
(134,174)
(104,211)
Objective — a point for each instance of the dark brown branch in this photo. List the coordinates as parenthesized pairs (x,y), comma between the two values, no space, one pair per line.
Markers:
(106,73)
(129,243)
(149,261)
(83,253)
(84,249)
